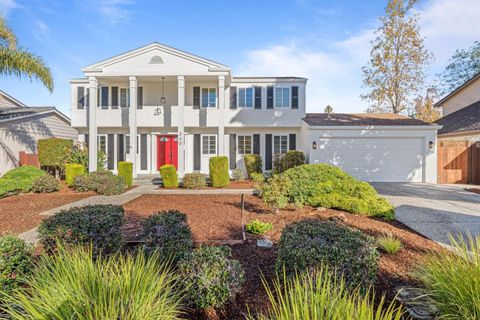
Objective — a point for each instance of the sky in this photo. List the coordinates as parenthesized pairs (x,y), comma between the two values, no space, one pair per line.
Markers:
(326,41)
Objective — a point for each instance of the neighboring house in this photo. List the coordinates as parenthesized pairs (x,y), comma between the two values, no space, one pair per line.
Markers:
(459,137)
(22,126)
(184,109)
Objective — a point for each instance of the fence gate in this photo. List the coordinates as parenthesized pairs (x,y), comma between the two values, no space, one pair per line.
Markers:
(458,161)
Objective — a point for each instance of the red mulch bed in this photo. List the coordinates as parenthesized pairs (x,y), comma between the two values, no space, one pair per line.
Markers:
(218,217)
(20,213)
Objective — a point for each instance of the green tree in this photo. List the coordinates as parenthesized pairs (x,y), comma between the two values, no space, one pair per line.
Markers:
(462,66)
(396,70)
(328,109)
(19,62)
(424,106)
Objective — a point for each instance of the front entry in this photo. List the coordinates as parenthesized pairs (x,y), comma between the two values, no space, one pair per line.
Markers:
(167,150)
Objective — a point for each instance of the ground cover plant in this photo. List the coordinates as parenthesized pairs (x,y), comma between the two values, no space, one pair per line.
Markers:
(169,175)
(258,227)
(389,243)
(16,263)
(323,185)
(19,180)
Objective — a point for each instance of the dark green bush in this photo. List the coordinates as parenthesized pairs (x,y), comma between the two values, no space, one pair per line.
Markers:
(169,233)
(169,175)
(125,170)
(103,182)
(100,225)
(258,227)
(322,185)
(16,262)
(45,184)
(194,180)
(210,276)
(218,167)
(73,170)
(304,245)
(253,164)
(291,159)
(19,180)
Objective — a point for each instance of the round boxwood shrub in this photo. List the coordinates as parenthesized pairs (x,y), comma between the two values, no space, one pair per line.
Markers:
(16,262)
(73,170)
(169,175)
(100,225)
(253,164)
(194,180)
(45,184)
(218,167)
(305,245)
(169,233)
(210,276)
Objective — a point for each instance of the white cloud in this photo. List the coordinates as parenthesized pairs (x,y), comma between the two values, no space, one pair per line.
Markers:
(42,31)
(6,6)
(113,11)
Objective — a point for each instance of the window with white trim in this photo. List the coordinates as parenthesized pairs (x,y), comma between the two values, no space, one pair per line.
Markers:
(209,144)
(245,97)
(127,143)
(244,145)
(124,98)
(282,97)
(209,98)
(280,144)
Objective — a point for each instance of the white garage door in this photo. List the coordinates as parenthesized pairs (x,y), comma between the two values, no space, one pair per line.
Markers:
(373,159)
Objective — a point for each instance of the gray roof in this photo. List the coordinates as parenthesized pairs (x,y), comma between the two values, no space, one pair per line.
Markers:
(361,119)
(461,121)
(7,114)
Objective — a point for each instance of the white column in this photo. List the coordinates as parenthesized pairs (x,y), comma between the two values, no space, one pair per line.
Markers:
(221,116)
(132,121)
(181,125)
(92,124)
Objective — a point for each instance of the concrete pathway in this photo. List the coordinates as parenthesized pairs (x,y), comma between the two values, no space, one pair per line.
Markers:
(434,210)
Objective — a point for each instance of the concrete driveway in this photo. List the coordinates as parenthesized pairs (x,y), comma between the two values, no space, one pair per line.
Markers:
(434,210)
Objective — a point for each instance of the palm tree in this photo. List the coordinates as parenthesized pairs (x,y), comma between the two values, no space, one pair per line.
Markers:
(20,62)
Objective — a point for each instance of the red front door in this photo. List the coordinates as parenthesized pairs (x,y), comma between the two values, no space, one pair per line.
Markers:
(167,150)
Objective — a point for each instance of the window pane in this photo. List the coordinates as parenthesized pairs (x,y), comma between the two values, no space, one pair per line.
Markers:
(240,145)
(249,97)
(127,144)
(213,144)
(204,98)
(241,97)
(286,97)
(213,97)
(278,98)
(205,145)
(248,145)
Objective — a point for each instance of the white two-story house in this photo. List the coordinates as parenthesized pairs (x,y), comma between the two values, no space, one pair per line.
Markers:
(183,109)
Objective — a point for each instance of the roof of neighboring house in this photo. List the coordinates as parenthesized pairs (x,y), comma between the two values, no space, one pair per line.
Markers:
(362,119)
(457,90)
(461,121)
(14,101)
(10,114)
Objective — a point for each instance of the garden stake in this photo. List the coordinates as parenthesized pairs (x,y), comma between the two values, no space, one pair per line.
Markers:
(244,236)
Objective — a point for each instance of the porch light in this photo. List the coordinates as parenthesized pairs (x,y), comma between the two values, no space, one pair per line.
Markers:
(314,145)
(431,145)
(163,100)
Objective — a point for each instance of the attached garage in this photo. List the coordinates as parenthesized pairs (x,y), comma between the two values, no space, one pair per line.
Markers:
(373,147)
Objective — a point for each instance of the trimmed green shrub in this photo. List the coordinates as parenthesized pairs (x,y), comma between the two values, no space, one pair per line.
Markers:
(194,180)
(100,225)
(258,227)
(388,243)
(73,170)
(450,279)
(218,167)
(19,180)
(211,277)
(103,182)
(53,152)
(253,164)
(82,184)
(169,175)
(75,284)
(16,262)
(305,245)
(45,184)
(237,174)
(323,185)
(257,177)
(125,170)
(292,159)
(323,296)
(274,192)
(169,233)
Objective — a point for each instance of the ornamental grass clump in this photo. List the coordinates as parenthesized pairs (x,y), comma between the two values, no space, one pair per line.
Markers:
(389,243)
(451,279)
(74,284)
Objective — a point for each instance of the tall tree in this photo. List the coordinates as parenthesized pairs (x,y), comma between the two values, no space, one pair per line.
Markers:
(424,106)
(462,66)
(396,70)
(19,62)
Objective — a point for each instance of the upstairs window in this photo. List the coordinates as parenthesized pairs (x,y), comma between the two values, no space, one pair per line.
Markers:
(124,98)
(282,97)
(280,144)
(244,144)
(245,97)
(209,97)
(209,144)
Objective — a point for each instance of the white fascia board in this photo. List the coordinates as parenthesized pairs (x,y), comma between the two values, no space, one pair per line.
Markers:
(79,80)
(268,80)
(406,127)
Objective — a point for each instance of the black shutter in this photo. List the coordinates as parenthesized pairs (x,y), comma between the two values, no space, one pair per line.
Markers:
(196,98)
(143,152)
(256,144)
(140,99)
(80,97)
(233,97)
(110,151)
(121,148)
(86,140)
(87,98)
(114,97)
(233,151)
(269,97)
(268,152)
(292,141)
(295,97)
(196,152)
(104,97)
(258,98)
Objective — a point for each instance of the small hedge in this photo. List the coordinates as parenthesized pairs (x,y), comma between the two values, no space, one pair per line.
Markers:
(45,184)
(218,167)
(304,245)
(19,180)
(125,170)
(210,276)
(102,182)
(73,170)
(253,164)
(169,233)
(16,263)
(258,227)
(323,185)
(168,172)
(52,151)
(100,225)
(194,181)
